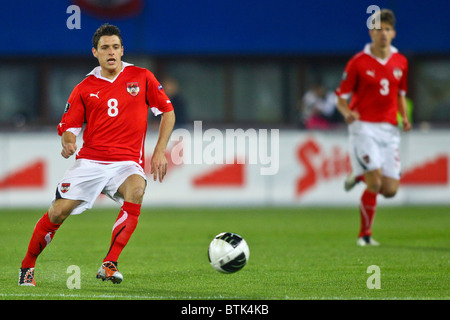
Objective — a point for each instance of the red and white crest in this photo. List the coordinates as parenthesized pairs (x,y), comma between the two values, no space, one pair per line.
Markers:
(133,88)
(398,73)
(65,187)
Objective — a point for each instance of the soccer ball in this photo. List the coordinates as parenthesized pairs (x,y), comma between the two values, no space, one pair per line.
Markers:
(228,252)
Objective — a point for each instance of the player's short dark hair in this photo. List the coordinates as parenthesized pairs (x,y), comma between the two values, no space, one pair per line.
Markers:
(106,30)
(387,16)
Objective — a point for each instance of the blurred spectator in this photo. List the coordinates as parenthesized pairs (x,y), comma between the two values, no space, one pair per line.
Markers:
(19,119)
(318,108)
(172,89)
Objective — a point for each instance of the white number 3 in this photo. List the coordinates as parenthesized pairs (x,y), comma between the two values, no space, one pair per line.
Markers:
(112,107)
(384,91)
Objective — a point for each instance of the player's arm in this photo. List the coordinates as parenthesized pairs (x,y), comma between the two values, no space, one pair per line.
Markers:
(159,162)
(403,110)
(345,90)
(71,123)
(402,106)
(348,114)
(69,146)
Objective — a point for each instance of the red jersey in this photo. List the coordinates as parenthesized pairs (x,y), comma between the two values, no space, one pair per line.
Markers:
(374,85)
(115,113)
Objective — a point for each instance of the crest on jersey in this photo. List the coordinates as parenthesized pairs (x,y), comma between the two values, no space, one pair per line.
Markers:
(398,73)
(65,187)
(133,88)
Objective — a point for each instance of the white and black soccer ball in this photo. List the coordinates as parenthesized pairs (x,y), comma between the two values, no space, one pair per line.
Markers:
(228,252)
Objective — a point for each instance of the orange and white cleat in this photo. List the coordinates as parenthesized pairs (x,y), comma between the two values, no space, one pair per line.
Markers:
(26,277)
(108,271)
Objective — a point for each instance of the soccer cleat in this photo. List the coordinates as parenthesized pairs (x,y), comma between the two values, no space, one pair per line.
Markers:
(26,277)
(350,182)
(108,271)
(366,241)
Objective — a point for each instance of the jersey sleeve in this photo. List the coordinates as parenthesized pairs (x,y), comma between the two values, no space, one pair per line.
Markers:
(74,113)
(349,80)
(156,97)
(403,85)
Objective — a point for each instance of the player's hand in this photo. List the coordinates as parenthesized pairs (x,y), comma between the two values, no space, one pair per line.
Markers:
(406,125)
(351,116)
(159,166)
(68,150)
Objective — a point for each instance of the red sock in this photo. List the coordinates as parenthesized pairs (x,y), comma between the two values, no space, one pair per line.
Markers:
(42,235)
(360,178)
(367,211)
(123,229)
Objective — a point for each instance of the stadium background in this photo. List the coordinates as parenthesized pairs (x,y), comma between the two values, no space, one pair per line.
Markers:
(239,64)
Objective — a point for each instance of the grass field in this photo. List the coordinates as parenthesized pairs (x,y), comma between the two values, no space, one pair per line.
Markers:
(295,254)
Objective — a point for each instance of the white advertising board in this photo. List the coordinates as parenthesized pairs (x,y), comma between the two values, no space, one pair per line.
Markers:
(236,168)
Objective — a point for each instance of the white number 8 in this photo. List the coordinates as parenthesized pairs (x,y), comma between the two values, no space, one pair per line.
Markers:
(384,91)
(112,107)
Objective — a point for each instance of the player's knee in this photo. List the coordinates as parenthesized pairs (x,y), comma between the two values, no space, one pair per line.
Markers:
(389,188)
(58,213)
(135,194)
(374,186)
(388,193)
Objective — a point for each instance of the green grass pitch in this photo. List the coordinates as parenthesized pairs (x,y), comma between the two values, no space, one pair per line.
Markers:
(295,254)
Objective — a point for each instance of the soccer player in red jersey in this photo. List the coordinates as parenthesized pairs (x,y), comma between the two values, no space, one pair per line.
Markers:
(112,102)
(376,81)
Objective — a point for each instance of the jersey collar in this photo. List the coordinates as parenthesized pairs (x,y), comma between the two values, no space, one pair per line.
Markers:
(392,50)
(96,72)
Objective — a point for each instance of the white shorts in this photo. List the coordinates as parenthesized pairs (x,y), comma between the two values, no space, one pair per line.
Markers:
(86,179)
(375,146)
